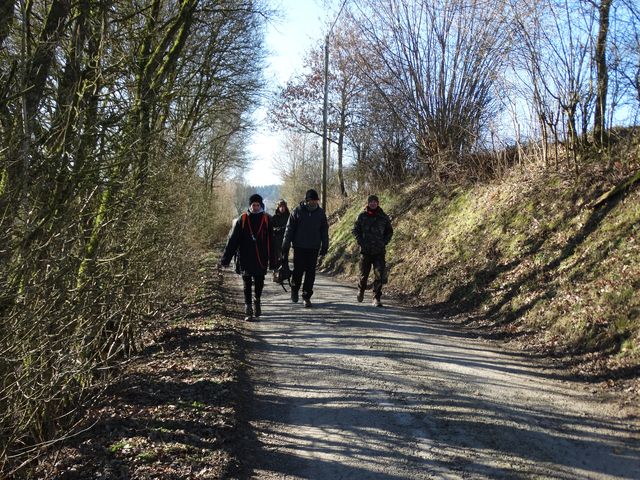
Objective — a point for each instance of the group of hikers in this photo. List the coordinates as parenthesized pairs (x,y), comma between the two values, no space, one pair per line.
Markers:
(260,242)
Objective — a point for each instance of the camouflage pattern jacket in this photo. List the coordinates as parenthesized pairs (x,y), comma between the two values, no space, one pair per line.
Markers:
(373,231)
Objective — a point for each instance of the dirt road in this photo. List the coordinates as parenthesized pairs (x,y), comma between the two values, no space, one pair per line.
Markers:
(349,391)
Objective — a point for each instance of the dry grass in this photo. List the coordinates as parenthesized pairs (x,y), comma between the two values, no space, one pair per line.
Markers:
(174,411)
(523,257)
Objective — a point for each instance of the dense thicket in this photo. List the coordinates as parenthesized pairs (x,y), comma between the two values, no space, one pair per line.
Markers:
(116,120)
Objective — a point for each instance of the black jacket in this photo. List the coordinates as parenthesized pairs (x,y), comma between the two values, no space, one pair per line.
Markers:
(253,256)
(279,221)
(307,229)
(373,231)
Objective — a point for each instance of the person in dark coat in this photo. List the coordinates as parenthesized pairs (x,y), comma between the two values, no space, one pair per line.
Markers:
(373,232)
(280,219)
(251,242)
(308,231)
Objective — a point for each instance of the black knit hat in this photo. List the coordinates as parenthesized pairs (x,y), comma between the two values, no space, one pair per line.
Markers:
(311,195)
(372,198)
(255,198)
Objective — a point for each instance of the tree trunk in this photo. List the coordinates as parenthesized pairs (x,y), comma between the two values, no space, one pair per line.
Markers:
(341,131)
(602,75)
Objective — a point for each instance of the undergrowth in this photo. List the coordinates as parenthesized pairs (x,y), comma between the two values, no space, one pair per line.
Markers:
(524,256)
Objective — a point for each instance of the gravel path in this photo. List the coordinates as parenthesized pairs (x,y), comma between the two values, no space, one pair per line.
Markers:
(349,391)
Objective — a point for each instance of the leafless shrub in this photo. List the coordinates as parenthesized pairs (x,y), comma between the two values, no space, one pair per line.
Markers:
(117,121)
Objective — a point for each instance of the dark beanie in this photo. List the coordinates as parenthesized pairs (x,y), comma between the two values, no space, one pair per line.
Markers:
(311,195)
(255,198)
(371,198)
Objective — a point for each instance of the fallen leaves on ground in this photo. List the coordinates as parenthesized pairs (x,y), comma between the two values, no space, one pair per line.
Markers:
(172,413)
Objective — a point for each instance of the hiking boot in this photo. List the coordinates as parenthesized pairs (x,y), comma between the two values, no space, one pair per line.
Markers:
(360,296)
(257,307)
(307,303)
(294,296)
(248,313)
(376,302)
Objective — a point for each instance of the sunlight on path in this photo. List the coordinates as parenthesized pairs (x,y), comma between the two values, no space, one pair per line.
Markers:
(347,390)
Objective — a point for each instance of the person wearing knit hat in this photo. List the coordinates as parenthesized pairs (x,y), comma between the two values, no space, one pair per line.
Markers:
(373,231)
(256,198)
(311,195)
(280,219)
(251,242)
(308,232)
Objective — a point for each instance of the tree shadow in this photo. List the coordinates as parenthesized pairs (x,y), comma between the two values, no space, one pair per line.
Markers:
(391,417)
(174,411)
(467,297)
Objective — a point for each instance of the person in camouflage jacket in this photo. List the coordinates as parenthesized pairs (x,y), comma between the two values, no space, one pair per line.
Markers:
(373,231)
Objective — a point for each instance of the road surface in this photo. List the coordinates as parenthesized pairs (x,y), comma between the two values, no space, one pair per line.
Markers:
(350,391)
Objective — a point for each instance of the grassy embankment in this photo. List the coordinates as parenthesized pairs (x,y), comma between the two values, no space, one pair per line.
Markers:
(527,256)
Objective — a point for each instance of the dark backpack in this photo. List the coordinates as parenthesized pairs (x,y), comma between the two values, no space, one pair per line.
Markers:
(282,275)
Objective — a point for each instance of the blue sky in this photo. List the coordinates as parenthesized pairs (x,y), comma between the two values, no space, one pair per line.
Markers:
(302,25)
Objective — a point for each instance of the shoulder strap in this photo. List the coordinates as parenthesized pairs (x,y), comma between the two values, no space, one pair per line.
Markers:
(244,219)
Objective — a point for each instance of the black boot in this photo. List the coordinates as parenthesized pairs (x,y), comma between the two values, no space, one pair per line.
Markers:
(257,307)
(248,312)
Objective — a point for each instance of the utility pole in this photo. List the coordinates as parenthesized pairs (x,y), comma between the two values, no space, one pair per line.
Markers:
(325,140)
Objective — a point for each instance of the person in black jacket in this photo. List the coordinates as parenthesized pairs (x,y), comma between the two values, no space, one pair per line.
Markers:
(280,219)
(308,231)
(373,232)
(251,242)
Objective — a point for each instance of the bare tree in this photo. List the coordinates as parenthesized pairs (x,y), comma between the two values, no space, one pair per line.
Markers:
(602,73)
(300,166)
(564,51)
(115,119)
(627,49)
(298,105)
(529,70)
(441,58)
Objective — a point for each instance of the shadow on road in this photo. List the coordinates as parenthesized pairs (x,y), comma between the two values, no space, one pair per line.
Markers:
(347,390)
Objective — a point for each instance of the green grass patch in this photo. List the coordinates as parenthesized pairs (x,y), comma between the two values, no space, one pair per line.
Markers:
(528,251)
(118,446)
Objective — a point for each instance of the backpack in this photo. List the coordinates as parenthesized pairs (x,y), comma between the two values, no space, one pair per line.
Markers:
(282,275)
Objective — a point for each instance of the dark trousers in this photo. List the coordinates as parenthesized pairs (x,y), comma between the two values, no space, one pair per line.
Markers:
(247,280)
(304,263)
(277,244)
(378,263)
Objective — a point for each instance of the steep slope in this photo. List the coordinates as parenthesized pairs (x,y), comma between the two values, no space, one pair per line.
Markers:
(528,256)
